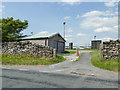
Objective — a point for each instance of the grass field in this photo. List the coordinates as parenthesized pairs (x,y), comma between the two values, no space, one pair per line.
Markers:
(79,49)
(111,65)
(8,59)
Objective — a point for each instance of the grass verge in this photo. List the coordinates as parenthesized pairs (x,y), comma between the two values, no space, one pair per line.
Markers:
(78,58)
(111,65)
(67,53)
(8,59)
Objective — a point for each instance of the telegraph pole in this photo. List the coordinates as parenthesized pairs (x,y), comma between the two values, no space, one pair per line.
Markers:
(31,33)
(64,29)
(94,37)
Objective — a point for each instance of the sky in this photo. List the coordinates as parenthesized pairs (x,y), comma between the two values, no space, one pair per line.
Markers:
(84,20)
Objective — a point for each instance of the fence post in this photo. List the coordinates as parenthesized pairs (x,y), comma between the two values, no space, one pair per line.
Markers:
(97,46)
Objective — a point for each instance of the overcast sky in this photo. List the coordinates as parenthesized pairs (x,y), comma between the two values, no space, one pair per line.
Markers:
(83,20)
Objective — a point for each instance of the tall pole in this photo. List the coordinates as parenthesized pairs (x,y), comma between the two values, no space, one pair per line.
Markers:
(94,37)
(64,29)
(31,33)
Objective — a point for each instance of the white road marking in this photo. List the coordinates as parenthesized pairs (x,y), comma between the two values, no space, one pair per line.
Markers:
(3,67)
(23,69)
(44,71)
(6,68)
(54,70)
(58,70)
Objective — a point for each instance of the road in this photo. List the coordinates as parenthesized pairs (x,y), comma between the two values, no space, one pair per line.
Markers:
(68,74)
(33,79)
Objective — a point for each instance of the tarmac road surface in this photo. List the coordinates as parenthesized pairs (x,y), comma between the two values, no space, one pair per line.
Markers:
(32,79)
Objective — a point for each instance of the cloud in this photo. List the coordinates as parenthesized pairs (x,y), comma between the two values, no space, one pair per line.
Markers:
(115,28)
(81,34)
(92,13)
(97,22)
(67,17)
(1,7)
(78,16)
(100,13)
(106,39)
(104,29)
(110,13)
(107,29)
(43,32)
(68,38)
(100,24)
(69,30)
(71,2)
(110,4)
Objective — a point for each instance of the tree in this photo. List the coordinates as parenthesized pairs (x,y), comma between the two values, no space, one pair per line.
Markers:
(11,29)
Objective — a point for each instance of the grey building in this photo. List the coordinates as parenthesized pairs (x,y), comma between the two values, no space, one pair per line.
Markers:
(95,44)
(53,40)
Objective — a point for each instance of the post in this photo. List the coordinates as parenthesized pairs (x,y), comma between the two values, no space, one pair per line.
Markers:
(97,46)
(54,53)
(101,51)
(71,45)
(94,37)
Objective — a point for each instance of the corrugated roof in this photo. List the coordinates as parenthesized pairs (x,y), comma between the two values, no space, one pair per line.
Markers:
(47,35)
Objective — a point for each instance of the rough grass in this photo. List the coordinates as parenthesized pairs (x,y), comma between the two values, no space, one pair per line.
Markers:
(111,65)
(8,59)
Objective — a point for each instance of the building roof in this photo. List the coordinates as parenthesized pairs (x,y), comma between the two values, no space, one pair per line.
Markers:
(96,40)
(47,35)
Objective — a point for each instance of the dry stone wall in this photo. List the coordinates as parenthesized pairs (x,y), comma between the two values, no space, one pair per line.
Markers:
(27,47)
(110,49)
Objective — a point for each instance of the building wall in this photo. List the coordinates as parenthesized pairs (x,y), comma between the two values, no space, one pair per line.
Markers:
(52,44)
(57,38)
(40,42)
(55,42)
(59,46)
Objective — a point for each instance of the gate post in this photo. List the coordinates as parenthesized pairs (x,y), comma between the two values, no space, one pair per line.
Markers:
(54,53)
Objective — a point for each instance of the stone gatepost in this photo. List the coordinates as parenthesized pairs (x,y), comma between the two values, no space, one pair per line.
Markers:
(101,51)
(54,53)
